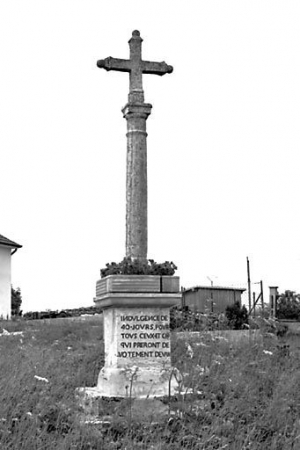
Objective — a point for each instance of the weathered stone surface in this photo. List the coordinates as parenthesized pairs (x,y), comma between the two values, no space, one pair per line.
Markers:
(138,299)
(137,337)
(136,113)
(127,283)
(137,283)
(137,349)
(104,411)
(136,181)
(136,67)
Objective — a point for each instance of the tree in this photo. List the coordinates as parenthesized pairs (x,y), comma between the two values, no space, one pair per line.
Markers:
(16,301)
(288,306)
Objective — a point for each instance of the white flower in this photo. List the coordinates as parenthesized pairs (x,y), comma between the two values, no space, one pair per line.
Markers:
(41,378)
(189,351)
(266,352)
(202,370)
(222,338)
(13,333)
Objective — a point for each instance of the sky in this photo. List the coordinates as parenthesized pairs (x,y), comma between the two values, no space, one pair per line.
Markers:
(223,142)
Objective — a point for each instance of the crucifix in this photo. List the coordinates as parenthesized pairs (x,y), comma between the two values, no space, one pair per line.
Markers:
(136,113)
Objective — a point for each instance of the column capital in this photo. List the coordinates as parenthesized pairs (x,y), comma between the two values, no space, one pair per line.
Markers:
(137,110)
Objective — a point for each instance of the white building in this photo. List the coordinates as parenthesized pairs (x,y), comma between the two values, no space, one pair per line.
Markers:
(7,249)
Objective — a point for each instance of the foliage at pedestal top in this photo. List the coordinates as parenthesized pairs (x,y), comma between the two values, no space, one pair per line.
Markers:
(129,266)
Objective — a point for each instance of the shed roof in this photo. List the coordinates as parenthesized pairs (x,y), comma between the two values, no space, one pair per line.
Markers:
(8,242)
(217,288)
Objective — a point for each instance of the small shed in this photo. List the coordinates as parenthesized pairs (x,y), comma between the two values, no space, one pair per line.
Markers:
(211,298)
(7,249)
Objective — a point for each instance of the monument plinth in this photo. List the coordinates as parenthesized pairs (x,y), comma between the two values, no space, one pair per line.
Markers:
(137,345)
(136,308)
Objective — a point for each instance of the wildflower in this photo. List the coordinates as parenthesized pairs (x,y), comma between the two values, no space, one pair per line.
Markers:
(134,370)
(13,333)
(177,374)
(189,351)
(202,370)
(94,422)
(188,391)
(266,352)
(221,338)
(41,378)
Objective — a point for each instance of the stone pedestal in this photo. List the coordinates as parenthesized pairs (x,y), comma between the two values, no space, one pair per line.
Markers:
(137,350)
(137,347)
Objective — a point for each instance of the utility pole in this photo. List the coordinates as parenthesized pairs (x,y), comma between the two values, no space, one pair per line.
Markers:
(249,284)
(262,296)
(211,292)
(255,300)
(254,303)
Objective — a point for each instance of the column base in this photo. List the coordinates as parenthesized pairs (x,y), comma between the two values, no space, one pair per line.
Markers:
(136,382)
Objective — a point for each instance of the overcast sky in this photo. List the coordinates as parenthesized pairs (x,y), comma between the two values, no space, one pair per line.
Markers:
(223,141)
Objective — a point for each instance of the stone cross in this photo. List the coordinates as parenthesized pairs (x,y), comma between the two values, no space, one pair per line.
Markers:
(136,308)
(136,113)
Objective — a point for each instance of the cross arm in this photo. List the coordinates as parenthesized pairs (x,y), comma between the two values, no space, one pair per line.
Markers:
(156,68)
(121,65)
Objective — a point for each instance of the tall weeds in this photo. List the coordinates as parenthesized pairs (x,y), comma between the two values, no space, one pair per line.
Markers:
(241,396)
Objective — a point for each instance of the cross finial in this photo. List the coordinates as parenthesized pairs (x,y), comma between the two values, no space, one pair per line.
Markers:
(136,67)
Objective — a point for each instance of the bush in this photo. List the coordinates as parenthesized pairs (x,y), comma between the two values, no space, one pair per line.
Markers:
(129,266)
(184,319)
(237,316)
(16,301)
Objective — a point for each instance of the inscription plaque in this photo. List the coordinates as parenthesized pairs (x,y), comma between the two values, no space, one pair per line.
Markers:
(141,337)
(144,336)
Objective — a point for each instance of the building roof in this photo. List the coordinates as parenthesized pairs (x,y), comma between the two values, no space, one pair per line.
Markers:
(217,288)
(8,242)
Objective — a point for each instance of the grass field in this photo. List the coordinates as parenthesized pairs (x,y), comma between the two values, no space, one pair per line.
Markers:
(246,396)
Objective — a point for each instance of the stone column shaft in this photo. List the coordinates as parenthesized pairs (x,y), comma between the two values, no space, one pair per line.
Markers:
(136,180)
